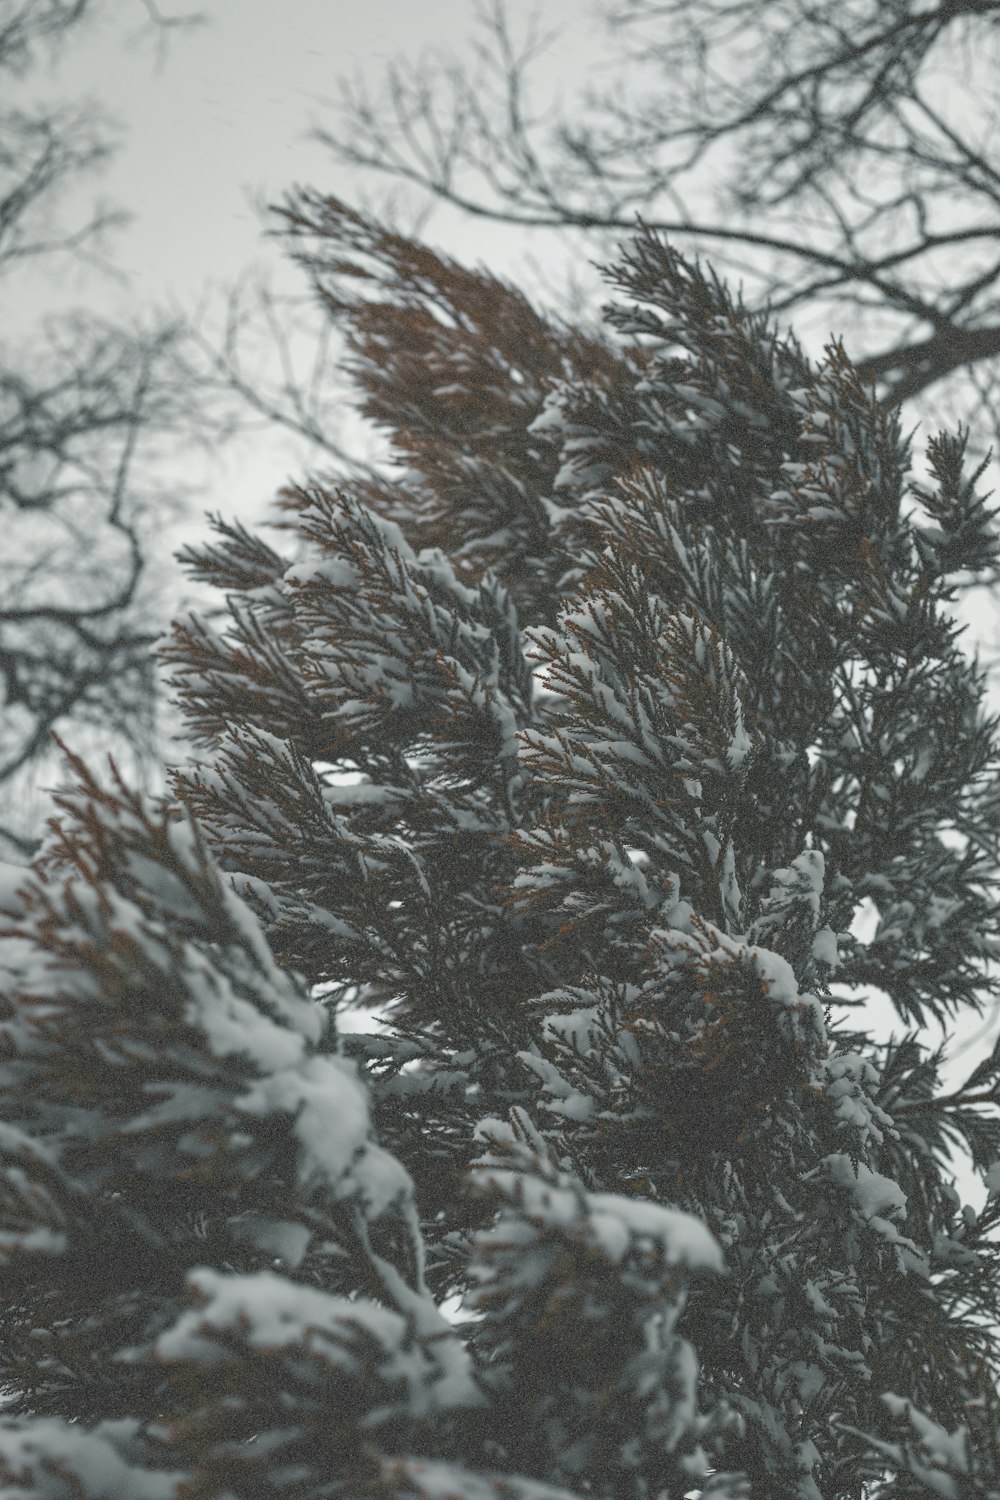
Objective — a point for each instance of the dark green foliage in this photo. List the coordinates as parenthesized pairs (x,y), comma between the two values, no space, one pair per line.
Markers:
(576,771)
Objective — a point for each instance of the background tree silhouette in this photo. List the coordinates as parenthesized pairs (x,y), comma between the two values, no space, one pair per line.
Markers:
(840,157)
(83,405)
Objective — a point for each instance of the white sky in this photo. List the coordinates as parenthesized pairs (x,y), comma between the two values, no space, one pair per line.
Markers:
(229,110)
(226,118)
(221,125)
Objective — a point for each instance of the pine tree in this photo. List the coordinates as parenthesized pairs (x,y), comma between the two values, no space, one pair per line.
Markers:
(641,666)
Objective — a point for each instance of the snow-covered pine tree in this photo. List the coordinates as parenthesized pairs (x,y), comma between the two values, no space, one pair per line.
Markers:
(642,665)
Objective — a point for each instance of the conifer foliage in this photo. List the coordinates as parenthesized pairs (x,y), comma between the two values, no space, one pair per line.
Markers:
(570,749)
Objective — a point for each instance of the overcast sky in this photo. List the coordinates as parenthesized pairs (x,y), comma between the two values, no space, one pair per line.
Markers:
(227,115)
(218,124)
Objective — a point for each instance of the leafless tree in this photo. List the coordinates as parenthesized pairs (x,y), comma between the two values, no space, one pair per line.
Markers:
(82,403)
(263,359)
(841,156)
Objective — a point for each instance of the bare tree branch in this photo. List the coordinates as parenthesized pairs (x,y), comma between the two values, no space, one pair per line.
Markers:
(812,136)
(83,405)
(232,366)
